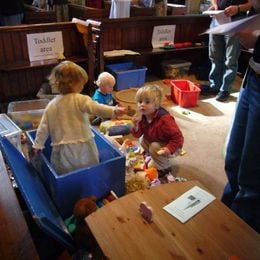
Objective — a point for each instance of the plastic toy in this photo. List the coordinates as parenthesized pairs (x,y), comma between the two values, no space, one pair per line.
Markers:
(151,173)
(146,211)
(116,127)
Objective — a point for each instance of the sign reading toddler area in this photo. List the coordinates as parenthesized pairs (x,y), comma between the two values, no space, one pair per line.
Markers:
(44,46)
(163,34)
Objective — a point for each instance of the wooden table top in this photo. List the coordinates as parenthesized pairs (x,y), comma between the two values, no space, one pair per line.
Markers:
(214,233)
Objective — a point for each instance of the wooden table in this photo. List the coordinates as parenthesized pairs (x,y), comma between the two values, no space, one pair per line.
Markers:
(214,233)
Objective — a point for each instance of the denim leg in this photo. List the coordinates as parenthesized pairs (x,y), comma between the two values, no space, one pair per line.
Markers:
(242,163)
(247,206)
(235,148)
(11,19)
(217,57)
(249,172)
(232,53)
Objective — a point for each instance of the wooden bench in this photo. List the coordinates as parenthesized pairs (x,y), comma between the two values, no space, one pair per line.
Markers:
(84,12)
(20,78)
(35,15)
(136,34)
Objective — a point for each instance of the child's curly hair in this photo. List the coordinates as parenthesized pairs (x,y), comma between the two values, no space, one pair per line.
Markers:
(68,77)
(151,92)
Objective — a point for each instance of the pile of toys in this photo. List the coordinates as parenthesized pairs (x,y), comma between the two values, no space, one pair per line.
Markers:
(138,175)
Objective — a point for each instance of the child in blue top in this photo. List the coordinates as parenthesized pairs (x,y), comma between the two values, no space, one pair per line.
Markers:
(103,93)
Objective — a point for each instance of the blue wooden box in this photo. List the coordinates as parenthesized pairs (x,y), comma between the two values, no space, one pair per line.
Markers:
(96,180)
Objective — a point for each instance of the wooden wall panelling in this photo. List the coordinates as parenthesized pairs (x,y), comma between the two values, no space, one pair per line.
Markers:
(136,34)
(15,67)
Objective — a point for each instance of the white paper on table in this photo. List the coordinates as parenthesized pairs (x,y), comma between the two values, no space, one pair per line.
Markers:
(251,23)
(189,203)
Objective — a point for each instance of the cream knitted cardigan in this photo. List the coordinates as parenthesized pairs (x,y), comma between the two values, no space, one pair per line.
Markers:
(66,119)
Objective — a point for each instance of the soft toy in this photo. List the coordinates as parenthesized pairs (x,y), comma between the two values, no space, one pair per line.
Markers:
(116,127)
(151,173)
(82,235)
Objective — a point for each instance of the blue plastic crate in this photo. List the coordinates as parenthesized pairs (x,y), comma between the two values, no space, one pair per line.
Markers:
(96,180)
(127,75)
(35,195)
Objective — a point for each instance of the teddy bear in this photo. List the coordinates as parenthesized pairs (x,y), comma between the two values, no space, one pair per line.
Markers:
(82,235)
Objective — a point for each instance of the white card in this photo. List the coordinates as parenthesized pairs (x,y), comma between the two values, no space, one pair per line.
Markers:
(189,203)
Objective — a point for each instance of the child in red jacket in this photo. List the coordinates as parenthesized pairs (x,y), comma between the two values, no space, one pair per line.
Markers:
(161,136)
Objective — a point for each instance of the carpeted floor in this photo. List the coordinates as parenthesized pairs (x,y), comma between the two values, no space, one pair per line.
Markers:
(205,128)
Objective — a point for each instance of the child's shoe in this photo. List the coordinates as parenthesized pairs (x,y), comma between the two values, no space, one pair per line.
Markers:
(163,172)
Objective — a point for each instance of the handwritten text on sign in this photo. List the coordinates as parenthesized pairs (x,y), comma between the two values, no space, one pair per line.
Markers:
(163,34)
(44,46)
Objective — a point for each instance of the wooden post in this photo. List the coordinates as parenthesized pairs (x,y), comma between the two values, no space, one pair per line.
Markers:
(193,6)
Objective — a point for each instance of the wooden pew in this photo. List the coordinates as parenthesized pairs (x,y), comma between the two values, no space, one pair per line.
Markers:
(16,241)
(35,15)
(84,12)
(20,78)
(136,34)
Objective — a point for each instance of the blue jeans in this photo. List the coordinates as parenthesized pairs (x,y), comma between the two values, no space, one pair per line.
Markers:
(11,19)
(224,51)
(242,162)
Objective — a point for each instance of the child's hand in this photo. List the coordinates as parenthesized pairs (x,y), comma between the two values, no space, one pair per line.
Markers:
(136,119)
(120,110)
(35,151)
(164,151)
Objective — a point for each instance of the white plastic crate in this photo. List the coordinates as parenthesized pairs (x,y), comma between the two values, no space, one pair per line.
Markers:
(11,131)
(27,114)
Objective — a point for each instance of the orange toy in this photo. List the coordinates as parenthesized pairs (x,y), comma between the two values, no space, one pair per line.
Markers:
(151,173)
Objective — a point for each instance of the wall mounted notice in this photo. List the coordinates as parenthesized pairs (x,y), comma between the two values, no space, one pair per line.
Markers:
(44,46)
(163,34)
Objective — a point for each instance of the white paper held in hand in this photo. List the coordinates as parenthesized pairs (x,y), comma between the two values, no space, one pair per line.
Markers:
(251,23)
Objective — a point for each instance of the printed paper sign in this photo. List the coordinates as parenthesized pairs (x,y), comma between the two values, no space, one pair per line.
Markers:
(44,46)
(189,204)
(163,34)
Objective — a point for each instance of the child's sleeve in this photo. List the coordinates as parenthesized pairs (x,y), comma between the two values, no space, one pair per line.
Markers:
(42,133)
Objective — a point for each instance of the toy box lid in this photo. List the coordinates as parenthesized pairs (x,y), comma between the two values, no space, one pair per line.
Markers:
(36,197)
(7,126)
(177,63)
(27,105)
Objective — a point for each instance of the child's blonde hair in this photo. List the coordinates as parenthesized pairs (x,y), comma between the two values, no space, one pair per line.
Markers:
(68,77)
(105,78)
(151,92)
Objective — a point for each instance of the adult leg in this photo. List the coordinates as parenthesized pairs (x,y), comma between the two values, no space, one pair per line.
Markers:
(231,61)
(243,156)
(12,19)
(235,148)
(217,58)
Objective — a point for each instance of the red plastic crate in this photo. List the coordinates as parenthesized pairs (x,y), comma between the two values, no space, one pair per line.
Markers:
(184,93)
